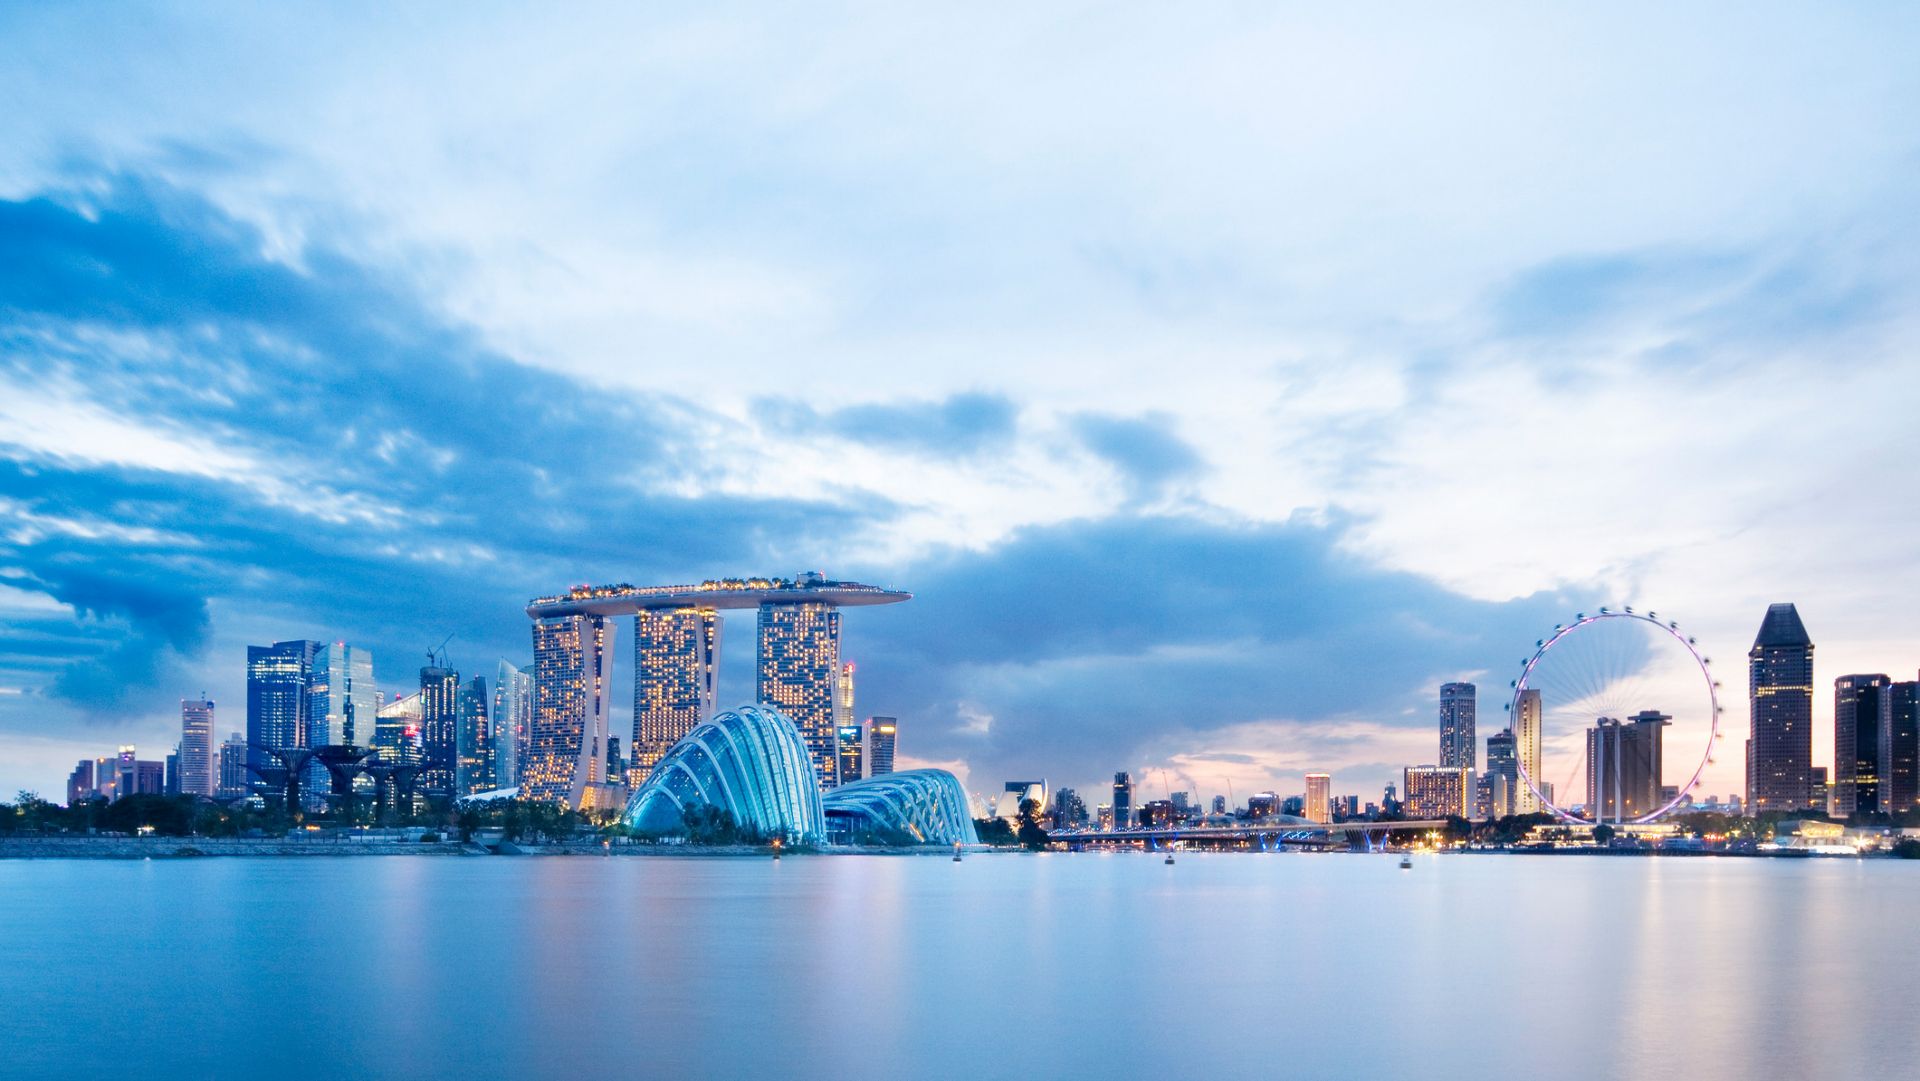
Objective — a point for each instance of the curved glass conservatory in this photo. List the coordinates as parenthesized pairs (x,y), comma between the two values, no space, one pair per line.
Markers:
(920,806)
(750,762)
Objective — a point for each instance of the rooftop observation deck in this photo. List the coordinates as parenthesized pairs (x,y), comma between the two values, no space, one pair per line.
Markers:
(624,599)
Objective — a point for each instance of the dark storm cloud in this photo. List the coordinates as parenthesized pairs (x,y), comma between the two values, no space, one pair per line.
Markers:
(959,425)
(416,482)
(1090,640)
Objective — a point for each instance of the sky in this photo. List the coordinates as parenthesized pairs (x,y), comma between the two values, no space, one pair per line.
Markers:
(1221,381)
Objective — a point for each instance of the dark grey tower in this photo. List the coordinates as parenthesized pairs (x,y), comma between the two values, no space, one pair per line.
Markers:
(1859,720)
(1458,703)
(1780,694)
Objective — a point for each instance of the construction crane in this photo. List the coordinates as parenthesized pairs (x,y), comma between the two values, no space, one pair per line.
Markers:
(437,656)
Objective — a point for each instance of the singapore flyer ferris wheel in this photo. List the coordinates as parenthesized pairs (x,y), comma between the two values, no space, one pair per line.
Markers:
(1615,719)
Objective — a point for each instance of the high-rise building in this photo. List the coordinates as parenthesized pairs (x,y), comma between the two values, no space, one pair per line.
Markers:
(1503,771)
(172,787)
(1526,746)
(1435,791)
(1822,790)
(233,768)
(277,707)
(799,669)
(512,719)
(1219,805)
(676,672)
(1458,704)
(342,701)
(1900,749)
(198,776)
(396,731)
(843,696)
(473,738)
(1069,811)
(1122,800)
(440,730)
(566,752)
(883,734)
(1624,766)
(80,783)
(1319,793)
(847,736)
(1860,705)
(1780,692)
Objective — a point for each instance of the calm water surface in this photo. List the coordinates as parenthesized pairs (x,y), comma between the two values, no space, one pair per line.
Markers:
(1044,966)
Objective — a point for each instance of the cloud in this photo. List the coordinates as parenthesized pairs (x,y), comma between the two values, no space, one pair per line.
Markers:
(959,425)
(311,442)
(1144,450)
(1136,637)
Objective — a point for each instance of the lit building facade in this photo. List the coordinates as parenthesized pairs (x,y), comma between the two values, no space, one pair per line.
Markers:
(342,702)
(1122,800)
(396,731)
(799,670)
(565,760)
(847,738)
(440,730)
(1319,797)
(1526,749)
(751,763)
(1435,791)
(277,679)
(199,774)
(1780,694)
(1860,707)
(676,671)
(512,721)
(883,736)
(1459,702)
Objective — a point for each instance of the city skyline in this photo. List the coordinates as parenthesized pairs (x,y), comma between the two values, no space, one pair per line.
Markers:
(1214,458)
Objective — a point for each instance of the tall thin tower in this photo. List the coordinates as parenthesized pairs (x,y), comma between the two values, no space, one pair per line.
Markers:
(1526,738)
(1458,704)
(1780,693)
(198,772)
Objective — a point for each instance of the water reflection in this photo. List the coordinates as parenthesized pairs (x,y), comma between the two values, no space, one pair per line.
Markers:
(1048,965)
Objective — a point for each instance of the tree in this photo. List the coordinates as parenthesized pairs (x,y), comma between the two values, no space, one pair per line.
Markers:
(1031,834)
(994,831)
(1603,834)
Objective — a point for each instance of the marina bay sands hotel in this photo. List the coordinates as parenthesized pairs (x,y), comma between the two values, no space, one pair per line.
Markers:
(676,661)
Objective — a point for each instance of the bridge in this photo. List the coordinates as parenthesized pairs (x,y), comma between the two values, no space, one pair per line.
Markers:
(1263,833)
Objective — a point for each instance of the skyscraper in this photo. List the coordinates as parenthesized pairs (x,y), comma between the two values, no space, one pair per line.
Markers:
(512,719)
(1122,800)
(843,696)
(1624,766)
(1319,792)
(1504,773)
(799,669)
(1526,745)
(1860,705)
(342,701)
(233,768)
(473,737)
(882,736)
(440,730)
(566,752)
(848,738)
(676,666)
(198,773)
(1458,704)
(1780,693)
(1900,749)
(277,680)
(396,731)
(80,783)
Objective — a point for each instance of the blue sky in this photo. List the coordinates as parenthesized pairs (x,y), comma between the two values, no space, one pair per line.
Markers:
(1220,381)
